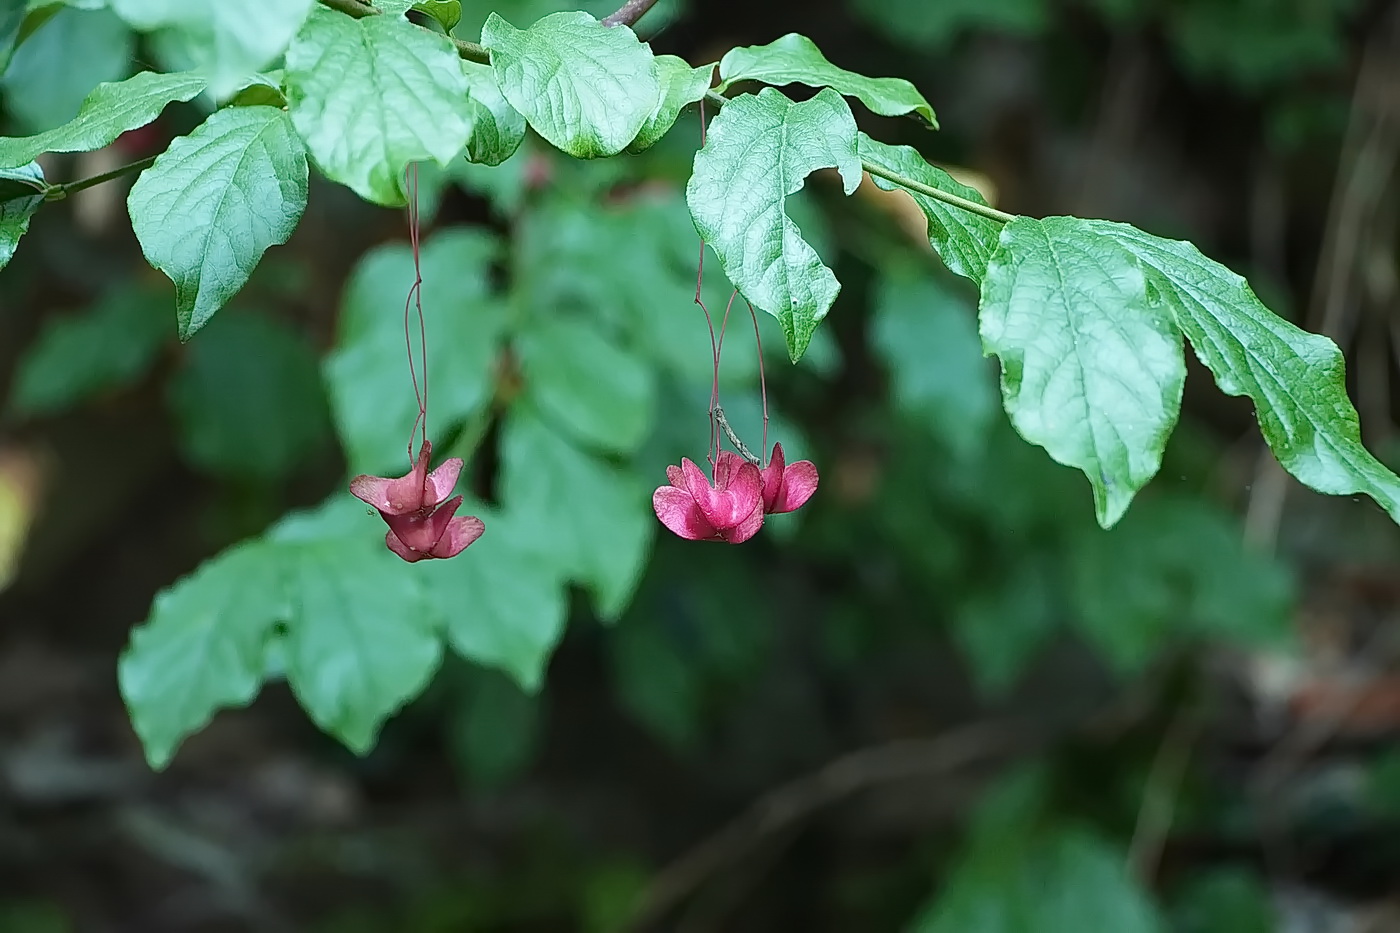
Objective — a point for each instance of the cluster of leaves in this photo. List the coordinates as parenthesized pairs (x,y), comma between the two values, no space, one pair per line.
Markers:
(1087,317)
(564,342)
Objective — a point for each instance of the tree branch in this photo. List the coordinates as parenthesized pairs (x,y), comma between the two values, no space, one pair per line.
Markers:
(629,13)
(59,192)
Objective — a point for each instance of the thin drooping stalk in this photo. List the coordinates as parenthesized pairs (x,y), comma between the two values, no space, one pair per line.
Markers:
(762,379)
(415,301)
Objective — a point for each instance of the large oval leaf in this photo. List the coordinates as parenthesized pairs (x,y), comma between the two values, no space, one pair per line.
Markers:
(759,150)
(213,202)
(587,88)
(795,59)
(1091,371)
(371,95)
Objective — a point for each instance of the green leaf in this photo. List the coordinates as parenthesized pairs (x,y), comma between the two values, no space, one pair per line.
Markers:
(214,201)
(582,516)
(681,86)
(248,400)
(225,41)
(109,111)
(930,28)
(1091,370)
(202,649)
(60,64)
(587,88)
(361,638)
(448,13)
(795,59)
(928,337)
(760,148)
(12,16)
(962,239)
(1175,568)
(1053,882)
(367,374)
(586,385)
(16,210)
(505,606)
(1224,900)
(365,138)
(496,730)
(78,356)
(260,90)
(1296,379)
(497,128)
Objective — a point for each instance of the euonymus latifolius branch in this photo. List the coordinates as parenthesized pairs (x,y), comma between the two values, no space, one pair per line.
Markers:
(1089,319)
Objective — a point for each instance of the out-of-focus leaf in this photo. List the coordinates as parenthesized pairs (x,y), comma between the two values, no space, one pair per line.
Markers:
(82,355)
(214,201)
(59,65)
(590,520)
(110,110)
(658,685)
(928,27)
(1092,370)
(225,41)
(795,59)
(736,196)
(505,606)
(928,337)
(586,385)
(1022,873)
(495,732)
(367,374)
(21,492)
(361,639)
(363,140)
(1224,900)
(248,399)
(12,16)
(1001,629)
(202,649)
(1176,570)
(587,88)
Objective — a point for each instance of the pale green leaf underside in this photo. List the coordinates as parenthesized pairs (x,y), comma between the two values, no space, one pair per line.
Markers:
(361,639)
(585,87)
(505,607)
(371,95)
(202,649)
(681,86)
(962,239)
(213,202)
(1296,379)
(498,129)
(371,396)
(542,475)
(225,41)
(109,111)
(795,59)
(15,212)
(1091,371)
(760,149)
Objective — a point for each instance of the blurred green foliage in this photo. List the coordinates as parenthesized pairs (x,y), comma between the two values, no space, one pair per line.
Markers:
(569,365)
